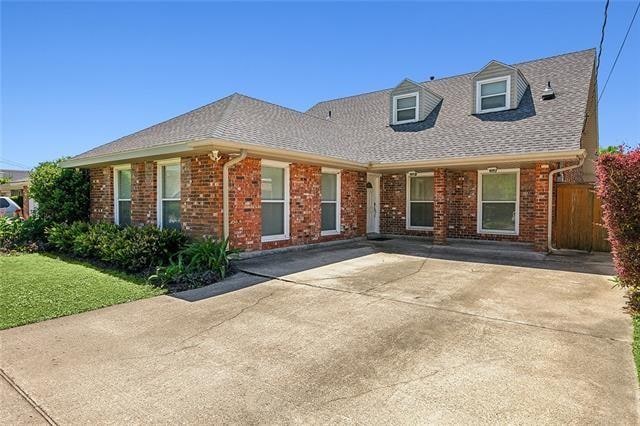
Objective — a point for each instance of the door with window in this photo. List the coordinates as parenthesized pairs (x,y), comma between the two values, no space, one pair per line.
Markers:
(373,203)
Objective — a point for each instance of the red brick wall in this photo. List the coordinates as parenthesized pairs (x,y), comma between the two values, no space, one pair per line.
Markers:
(305,200)
(245,221)
(440,207)
(353,204)
(462,209)
(101,193)
(143,193)
(201,195)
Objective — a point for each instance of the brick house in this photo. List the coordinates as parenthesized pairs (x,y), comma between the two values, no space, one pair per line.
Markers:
(471,156)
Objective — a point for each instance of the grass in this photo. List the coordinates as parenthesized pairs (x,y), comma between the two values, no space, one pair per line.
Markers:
(636,343)
(36,287)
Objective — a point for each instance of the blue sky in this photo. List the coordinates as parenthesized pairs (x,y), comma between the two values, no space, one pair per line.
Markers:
(76,75)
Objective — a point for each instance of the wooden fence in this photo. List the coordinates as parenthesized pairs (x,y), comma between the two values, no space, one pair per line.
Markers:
(578,219)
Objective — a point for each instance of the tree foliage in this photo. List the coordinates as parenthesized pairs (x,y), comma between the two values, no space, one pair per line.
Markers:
(619,189)
(62,194)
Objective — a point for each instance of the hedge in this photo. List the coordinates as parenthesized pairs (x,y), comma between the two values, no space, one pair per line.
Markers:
(618,186)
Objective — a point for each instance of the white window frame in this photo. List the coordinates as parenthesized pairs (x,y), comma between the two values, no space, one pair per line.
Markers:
(160,199)
(285,166)
(507,103)
(395,107)
(336,202)
(408,202)
(517,201)
(116,194)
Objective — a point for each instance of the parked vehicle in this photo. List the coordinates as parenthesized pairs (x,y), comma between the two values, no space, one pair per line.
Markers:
(8,207)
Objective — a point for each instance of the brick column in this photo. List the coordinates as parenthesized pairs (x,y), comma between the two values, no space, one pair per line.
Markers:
(101,201)
(541,205)
(143,193)
(440,218)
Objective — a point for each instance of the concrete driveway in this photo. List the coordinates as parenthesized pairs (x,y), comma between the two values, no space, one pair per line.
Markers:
(387,332)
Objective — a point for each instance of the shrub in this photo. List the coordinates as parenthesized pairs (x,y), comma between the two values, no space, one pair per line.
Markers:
(131,249)
(199,263)
(619,189)
(62,194)
(22,234)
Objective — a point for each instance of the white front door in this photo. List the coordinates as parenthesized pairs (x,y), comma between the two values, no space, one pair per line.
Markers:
(373,203)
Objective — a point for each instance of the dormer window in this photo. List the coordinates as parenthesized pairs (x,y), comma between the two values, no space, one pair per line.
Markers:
(493,94)
(405,108)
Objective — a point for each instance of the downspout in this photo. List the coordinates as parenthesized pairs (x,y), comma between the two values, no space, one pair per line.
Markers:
(550,203)
(225,189)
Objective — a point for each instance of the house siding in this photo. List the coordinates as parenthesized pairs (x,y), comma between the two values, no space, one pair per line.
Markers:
(143,193)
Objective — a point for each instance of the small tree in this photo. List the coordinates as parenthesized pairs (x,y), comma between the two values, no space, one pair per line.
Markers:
(62,194)
(619,189)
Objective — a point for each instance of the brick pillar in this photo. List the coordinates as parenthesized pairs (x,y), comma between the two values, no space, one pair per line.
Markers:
(245,208)
(541,205)
(440,219)
(101,201)
(25,202)
(143,193)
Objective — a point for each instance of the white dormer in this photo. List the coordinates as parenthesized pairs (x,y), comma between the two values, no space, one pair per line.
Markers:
(497,87)
(411,102)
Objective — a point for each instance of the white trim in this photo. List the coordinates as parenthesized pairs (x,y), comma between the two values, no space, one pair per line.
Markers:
(116,194)
(408,201)
(479,97)
(395,107)
(337,202)
(159,187)
(480,201)
(286,202)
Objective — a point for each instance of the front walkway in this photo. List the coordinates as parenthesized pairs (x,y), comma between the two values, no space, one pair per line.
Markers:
(384,332)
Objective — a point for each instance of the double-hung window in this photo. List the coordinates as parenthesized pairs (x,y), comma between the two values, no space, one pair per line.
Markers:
(330,202)
(169,194)
(405,108)
(493,94)
(420,201)
(275,201)
(122,192)
(498,204)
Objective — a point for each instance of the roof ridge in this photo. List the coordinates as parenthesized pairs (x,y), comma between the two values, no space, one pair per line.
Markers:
(453,76)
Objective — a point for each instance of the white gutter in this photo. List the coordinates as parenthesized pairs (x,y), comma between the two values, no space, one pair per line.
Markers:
(550,203)
(225,189)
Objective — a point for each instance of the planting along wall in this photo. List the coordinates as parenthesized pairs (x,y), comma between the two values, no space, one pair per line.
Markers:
(461,212)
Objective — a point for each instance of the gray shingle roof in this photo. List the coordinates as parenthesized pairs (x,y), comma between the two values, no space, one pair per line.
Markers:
(359,130)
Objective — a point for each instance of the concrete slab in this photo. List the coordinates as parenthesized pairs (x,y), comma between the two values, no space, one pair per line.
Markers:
(366,336)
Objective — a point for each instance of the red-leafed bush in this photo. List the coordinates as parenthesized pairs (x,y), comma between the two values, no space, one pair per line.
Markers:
(619,189)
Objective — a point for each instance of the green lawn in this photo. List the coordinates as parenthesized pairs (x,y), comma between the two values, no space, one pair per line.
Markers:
(35,287)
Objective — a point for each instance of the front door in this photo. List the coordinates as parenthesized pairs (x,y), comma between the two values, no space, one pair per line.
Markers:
(373,203)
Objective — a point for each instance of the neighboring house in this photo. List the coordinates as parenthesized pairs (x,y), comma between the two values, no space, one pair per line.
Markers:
(467,156)
(17,186)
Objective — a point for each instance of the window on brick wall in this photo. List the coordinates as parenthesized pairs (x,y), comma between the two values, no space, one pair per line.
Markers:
(420,201)
(122,192)
(498,201)
(330,202)
(275,201)
(169,194)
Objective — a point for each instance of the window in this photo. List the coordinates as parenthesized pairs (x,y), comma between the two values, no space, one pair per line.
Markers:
(275,201)
(493,94)
(420,201)
(169,194)
(122,192)
(405,108)
(330,202)
(498,203)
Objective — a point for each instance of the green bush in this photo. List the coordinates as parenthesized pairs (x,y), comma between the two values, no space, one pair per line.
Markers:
(62,194)
(17,234)
(199,263)
(131,249)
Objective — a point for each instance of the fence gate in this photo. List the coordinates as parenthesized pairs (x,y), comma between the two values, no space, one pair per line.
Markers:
(578,221)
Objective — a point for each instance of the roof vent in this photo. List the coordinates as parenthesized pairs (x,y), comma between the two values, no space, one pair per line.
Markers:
(433,77)
(548,92)
(329,115)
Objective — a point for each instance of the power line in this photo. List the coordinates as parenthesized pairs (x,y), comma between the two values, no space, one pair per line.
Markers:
(13,163)
(619,51)
(604,25)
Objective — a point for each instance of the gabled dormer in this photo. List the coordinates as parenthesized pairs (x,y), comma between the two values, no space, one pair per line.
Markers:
(497,87)
(411,102)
